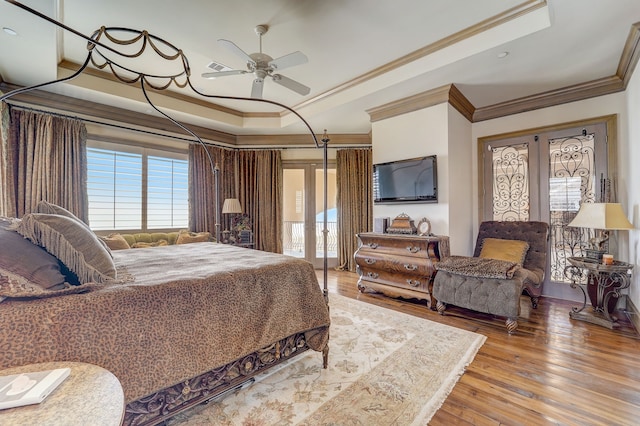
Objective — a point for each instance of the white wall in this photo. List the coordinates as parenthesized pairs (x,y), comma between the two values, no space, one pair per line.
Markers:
(632,163)
(411,135)
(461,183)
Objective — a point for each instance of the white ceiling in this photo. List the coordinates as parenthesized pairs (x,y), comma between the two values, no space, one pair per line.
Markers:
(353,46)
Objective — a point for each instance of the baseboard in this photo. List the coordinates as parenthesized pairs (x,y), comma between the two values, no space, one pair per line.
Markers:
(634,314)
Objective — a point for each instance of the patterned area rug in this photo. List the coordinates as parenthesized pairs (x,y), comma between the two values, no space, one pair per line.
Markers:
(385,368)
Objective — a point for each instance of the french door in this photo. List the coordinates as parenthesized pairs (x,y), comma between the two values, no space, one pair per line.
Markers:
(303,212)
(545,176)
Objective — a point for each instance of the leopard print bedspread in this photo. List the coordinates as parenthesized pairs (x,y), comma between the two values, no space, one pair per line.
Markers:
(190,308)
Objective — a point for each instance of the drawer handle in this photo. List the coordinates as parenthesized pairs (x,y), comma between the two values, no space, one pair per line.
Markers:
(369,261)
(413,283)
(413,249)
(373,275)
(410,267)
(373,245)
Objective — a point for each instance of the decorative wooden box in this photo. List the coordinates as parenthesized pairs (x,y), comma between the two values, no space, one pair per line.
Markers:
(402,224)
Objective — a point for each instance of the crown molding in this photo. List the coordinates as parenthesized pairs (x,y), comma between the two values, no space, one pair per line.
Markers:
(590,89)
(527,6)
(630,55)
(448,93)
(109,115)
(303,141)
(67,105)
(107,76)
(577,92)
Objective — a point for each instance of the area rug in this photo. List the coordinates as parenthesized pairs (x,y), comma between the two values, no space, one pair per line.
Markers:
(385,368)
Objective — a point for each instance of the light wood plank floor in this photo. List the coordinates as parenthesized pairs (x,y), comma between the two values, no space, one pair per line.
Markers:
(553,370)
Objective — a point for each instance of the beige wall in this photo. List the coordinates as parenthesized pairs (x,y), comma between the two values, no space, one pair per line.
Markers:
(438,130)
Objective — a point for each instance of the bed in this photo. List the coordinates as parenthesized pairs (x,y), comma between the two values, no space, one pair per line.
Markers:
(180,324)
(177,325)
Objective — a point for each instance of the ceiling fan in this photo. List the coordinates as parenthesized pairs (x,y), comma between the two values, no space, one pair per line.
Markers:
(262,66)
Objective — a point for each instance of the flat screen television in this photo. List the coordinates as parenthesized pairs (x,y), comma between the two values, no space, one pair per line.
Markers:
(412,180)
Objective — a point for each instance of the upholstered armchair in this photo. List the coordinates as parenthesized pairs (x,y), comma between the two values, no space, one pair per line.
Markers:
(509,259)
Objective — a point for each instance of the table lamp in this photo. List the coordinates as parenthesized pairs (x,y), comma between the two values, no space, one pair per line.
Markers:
(603,217)
(230,206)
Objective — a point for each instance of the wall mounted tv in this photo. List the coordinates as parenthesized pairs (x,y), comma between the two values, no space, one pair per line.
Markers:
(412,180)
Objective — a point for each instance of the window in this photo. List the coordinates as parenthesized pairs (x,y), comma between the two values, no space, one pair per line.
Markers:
(133,188)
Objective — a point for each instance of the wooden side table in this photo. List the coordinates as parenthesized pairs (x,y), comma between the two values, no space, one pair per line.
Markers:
(603,285)
(90,395)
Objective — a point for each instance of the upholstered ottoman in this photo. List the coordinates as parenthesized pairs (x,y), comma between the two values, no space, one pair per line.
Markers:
(494,285)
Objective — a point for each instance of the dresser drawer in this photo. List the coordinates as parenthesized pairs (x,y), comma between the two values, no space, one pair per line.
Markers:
(394,264)
(429,247)
(409,281)
(399,265)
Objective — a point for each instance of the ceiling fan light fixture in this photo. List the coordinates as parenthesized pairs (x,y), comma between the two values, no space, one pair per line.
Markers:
(262,65)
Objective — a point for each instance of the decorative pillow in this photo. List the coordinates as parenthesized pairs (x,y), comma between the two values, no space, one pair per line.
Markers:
(20,259)
(23,289)
(115,242)
(72,243)
(153,244)
(50,208)
(186,237)
(477,267)
(47,207)
(509,250)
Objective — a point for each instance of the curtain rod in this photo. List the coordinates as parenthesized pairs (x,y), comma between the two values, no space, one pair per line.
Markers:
(179,138)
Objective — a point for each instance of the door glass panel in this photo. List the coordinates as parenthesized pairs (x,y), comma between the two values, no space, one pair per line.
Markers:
(572,181)
(510,170)
(546,176)
(293,239)
(332,214)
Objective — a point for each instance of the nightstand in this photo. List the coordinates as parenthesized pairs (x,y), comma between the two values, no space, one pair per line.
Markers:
(90,395)
(603,285)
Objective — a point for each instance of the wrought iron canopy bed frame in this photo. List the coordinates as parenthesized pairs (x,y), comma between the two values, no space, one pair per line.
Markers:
(108,50)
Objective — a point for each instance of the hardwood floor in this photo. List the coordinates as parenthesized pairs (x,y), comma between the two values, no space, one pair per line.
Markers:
(553,370)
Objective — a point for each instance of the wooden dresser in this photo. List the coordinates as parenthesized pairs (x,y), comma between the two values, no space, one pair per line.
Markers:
(399,265)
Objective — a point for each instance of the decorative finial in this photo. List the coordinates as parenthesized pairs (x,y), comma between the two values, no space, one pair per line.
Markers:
(325,137)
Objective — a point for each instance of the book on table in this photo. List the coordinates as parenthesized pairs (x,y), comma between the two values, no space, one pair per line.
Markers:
(29,388)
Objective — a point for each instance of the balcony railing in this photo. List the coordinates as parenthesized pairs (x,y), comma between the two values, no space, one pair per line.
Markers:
(294,239)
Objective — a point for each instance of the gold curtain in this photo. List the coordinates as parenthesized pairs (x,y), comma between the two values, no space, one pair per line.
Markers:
(354,199)
(260,184)
(202,196)
(44,159)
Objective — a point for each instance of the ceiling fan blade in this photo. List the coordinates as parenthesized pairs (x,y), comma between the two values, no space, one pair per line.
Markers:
(256,89)
(217,74)
(231,46)
(290,60)
(291,84)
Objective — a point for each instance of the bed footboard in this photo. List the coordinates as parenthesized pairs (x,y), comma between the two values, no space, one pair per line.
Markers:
(160,406)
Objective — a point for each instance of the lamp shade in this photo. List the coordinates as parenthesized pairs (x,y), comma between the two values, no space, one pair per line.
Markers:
(231,205)
(601,216)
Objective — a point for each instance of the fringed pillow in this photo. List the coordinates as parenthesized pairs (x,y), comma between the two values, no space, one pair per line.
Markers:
(47,207)
(72,243)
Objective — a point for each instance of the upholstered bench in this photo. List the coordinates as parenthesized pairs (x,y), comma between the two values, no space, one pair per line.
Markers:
(117,241)
(493,283)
